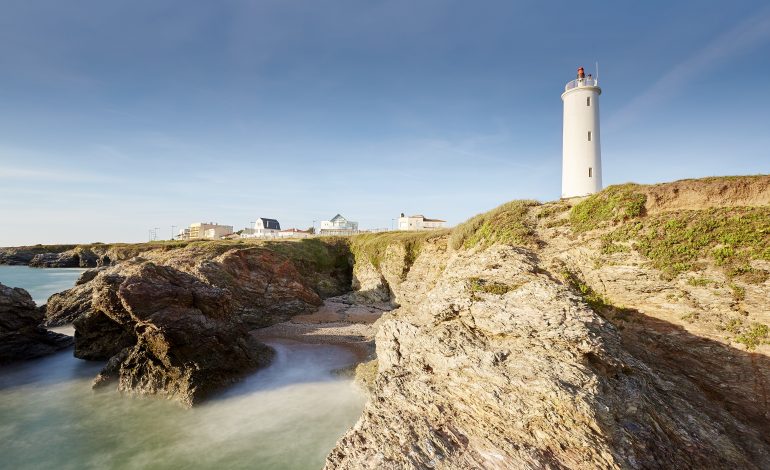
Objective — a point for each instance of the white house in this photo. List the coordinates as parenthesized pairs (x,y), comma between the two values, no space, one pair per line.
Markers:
(581,151)
(338,225)
(419,222)
(265,228)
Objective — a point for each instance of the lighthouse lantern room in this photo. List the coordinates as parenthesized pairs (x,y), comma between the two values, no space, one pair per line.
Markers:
(581,151)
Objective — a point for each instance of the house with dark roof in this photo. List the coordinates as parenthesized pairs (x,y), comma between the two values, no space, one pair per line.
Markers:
(264,227)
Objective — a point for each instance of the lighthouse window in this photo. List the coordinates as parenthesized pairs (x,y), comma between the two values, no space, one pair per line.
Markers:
(589,136)
(588,101)
(590,172)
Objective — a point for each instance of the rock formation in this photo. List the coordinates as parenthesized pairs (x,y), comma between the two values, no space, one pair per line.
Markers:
(21,336)
(175,322)
(165,333)
(624,332)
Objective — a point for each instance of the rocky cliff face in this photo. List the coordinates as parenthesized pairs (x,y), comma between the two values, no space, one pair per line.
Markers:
(21,336)
(176,322)
(553,336)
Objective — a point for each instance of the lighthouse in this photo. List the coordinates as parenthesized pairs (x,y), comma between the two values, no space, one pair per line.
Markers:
(581,150)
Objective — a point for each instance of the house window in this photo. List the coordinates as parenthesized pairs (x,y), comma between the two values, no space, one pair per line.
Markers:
(589,136)
(588,101)
(590,172)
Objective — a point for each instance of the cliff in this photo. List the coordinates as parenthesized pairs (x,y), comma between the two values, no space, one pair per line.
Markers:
(624,330)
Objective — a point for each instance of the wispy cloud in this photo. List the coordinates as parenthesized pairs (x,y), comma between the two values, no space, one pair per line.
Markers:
(745,35)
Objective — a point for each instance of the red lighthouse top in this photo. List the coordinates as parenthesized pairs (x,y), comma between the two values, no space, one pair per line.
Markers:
(581,73)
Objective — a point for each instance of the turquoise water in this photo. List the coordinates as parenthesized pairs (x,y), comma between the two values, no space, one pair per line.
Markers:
(287,416)
(39,282)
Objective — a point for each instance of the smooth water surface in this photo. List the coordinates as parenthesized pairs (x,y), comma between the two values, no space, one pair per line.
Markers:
(41,283)
(287,416)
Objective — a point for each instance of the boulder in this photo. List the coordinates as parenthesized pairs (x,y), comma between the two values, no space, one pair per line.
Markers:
(21,336)
(165,333)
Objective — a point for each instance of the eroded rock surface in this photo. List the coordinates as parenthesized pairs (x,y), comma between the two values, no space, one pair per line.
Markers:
(175,322)
(503,366)
(186,340)
(21,336)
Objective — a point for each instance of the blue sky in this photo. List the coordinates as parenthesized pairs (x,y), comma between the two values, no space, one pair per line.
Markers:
(120,116)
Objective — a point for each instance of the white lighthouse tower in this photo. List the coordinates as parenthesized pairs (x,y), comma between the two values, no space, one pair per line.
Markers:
(581,151)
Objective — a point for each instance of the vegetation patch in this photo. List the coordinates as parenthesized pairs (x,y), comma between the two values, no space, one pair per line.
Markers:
(699,281)
(690,317)
(315,253)
(374,246)
(549,210)
(682,241)
(508,224)
(754,335)
(739,293)
(609,247)
(612,205)
(734,325)
(478,285)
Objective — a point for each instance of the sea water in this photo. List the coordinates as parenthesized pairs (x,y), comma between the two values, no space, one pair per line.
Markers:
(286,416)
(41,283)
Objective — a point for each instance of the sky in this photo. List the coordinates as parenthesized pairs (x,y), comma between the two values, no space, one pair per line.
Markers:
(119,117)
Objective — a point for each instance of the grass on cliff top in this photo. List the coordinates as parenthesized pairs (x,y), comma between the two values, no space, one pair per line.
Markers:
(324,253)
(374,246)
(508,224)
(612,205)
(679,242)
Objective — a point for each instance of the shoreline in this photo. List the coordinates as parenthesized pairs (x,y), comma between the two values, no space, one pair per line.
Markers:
(339,321)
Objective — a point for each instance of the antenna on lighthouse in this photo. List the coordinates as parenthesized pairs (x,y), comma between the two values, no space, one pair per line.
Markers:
(597,73)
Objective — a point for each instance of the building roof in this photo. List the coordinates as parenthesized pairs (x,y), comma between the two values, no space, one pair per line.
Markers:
(271,224)
(338,217)
(425,219)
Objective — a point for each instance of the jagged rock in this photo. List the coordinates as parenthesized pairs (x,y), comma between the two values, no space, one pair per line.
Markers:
(21,336)
(88,276)
(500,365)
(65,307)
(187,342)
